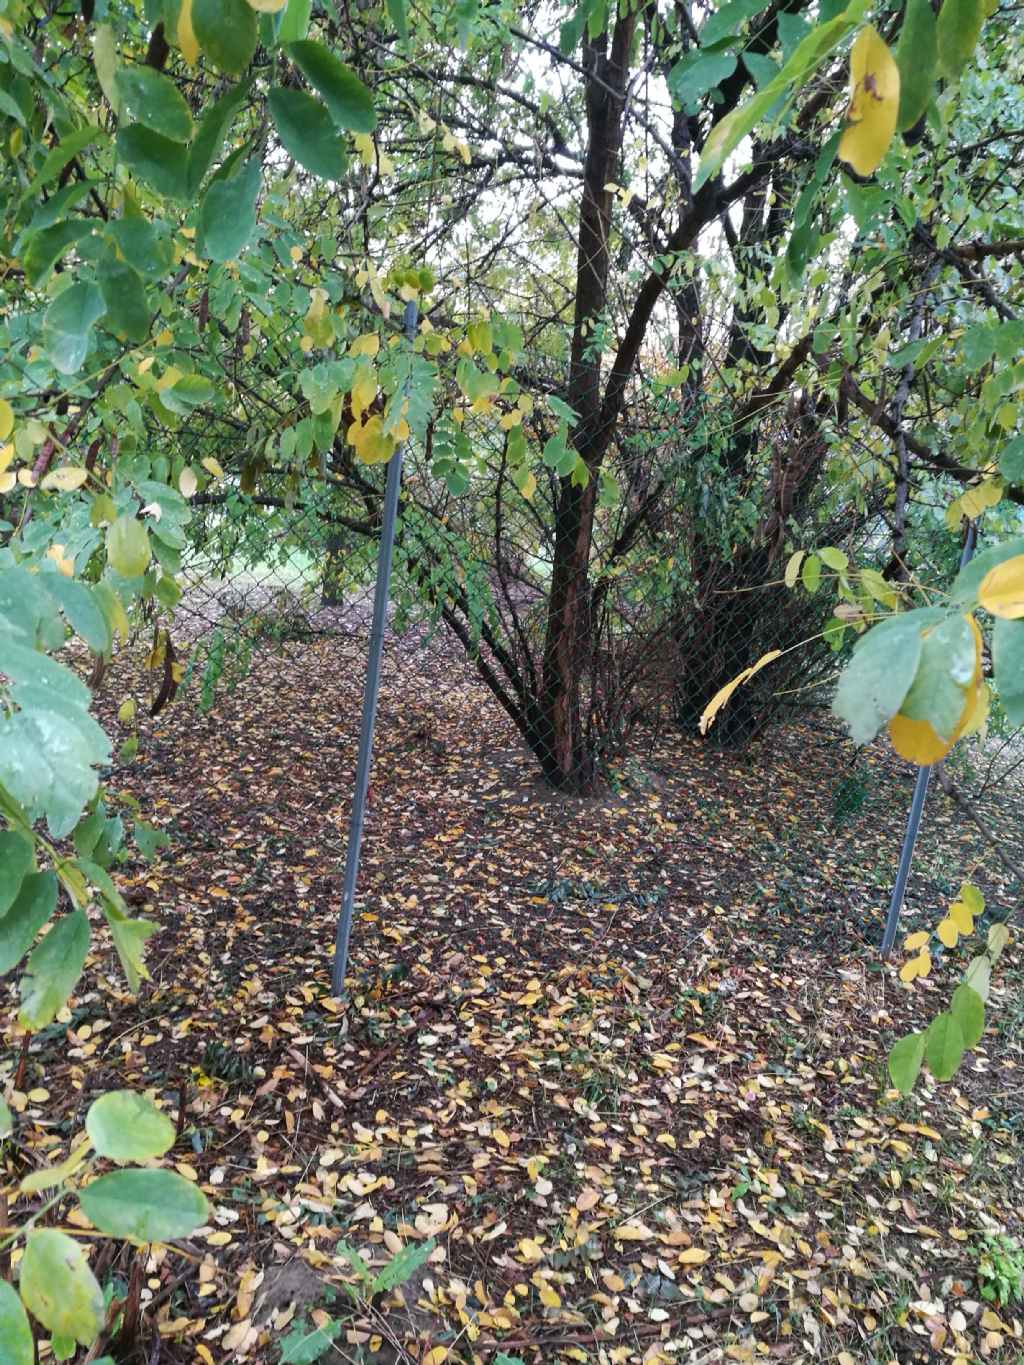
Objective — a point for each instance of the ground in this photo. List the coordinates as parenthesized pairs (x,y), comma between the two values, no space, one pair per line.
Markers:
(616,1066)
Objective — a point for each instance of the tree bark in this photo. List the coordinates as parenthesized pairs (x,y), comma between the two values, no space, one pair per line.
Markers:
(566,759)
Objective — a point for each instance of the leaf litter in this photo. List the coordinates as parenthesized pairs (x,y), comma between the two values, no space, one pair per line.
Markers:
(618,1062)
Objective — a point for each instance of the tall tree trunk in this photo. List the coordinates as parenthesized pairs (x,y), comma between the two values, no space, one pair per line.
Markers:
(569,636)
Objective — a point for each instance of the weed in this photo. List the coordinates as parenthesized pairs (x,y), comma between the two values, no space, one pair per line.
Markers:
(1000,1272)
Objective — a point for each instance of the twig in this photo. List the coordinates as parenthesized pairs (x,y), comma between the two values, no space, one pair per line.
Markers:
(961,801)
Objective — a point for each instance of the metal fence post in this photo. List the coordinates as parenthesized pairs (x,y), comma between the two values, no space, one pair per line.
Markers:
(380,614)
(892,921)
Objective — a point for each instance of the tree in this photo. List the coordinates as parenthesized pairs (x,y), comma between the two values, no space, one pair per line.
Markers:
(667,367)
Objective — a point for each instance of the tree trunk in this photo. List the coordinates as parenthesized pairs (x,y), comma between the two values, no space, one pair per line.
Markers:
(568,645)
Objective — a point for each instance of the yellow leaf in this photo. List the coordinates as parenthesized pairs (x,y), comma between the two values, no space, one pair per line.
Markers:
(187,44)
(793,568)
(437,1354)
(267,6)
(724,693)
(1002,589)
(916,966)
(961,916)
(984,495)
(948,932)
(587,1198)
(6,419)
(368,344)
(917,742)
(633,1232)
(914,941)
(365,148)
(213,467)
(371,443)
(6,455)
(874,103)
(693,1256)
(65,480)
(549,1298)
(187,482)
(529,1250)
(529,486)
(364,389)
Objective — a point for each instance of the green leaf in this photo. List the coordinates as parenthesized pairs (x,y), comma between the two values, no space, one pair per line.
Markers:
(879,676)
(144,1206)
(143,244)
(129,937)
(45,248)
(307,132)
(36,902)
(16,1344)
(128,548)
(944,1046)
(957,31)
(810,573)
(968,580)
(905,1058)
(152,99)
(730,131)
(979,975)
(66,150)
(126,1126)
(294,22)
(303,1345)
(696,73)
(46,756)
(728,20)
(83,611)
(158,161)
(128,310)
(227,32)
(403,1264)
(946,667)
(6,1129)
(347,98)
(31,671)
(210,137)
(16,858)
(68,325)
(191,391)
(399,17)
(1008,667)
(834,559)
(58,1287)
(28,610)
(1011,462)
(52,971)
(150,840)
(917,56)
(968,1009)
(227,215)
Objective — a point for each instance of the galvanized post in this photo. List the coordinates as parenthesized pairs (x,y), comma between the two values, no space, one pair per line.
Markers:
(916,811)
(380,615)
